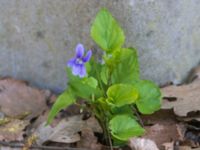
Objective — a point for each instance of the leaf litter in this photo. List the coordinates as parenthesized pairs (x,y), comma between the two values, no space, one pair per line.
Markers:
(24,109)
(18,99)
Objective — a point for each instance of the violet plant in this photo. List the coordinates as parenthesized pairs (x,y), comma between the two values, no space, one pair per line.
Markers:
(113,91)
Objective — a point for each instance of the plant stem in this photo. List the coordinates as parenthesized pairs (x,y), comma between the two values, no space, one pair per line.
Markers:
(103,121)
(102,117)
(106,130)
(109,138)
(99,80)
(138,116)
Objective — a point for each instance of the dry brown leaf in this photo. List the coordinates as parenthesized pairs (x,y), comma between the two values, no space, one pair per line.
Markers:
(66,131)
(186,98)
(17,98)
(194,75)
(142,144)
(181,130)
(164,117)
(168,146)
(93,124)
(13,131)
(161,127)
(185,102)
(185,148)
(162,133)
(88,140)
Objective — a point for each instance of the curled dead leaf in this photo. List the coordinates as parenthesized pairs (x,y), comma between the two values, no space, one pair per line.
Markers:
(142,144)
(66,131)
(194,74)
(182,99)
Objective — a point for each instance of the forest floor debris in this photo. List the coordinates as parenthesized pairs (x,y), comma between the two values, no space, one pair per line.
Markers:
(24,110)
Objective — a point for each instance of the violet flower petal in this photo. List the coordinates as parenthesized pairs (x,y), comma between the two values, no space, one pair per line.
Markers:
(82,72)
(76,69)
(71,62)
(87,57)
(79,51)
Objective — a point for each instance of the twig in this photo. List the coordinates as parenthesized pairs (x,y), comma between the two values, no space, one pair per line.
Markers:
(20,145)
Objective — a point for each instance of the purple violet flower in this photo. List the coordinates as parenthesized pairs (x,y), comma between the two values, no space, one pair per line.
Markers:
(78,62)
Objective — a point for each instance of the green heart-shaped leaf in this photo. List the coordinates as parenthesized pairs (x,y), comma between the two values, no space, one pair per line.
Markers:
(124,127)
(150,97)
(121,94)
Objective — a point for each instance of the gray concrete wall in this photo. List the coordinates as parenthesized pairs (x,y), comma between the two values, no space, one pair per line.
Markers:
(37,37)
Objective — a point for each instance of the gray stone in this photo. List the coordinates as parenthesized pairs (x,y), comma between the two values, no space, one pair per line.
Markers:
(38,37)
